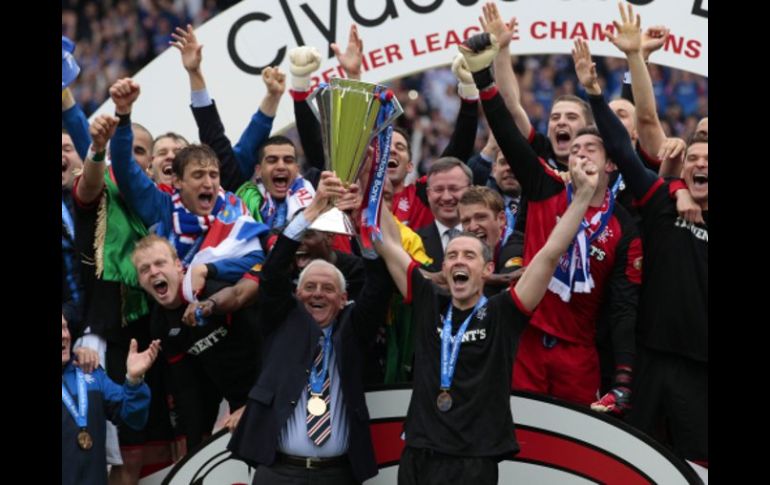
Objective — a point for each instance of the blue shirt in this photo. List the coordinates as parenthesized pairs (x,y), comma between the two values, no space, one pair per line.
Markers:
(294,439)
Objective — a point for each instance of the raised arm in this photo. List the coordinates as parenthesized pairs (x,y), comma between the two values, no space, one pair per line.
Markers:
(139,192)
(533,175)
(75,122)
(91,182)
(210,128)
(464,134)
(304,61)
(391,250)
(628,39)
(615,137)
(533,283)
(493,23)
(261,123)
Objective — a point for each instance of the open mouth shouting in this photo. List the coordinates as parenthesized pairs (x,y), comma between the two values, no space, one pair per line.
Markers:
(563,139)
(280,184)
(160,286)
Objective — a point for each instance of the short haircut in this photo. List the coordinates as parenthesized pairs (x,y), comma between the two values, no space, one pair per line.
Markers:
(445,164)
(168,134)
(485,196)
(321,262)
(486,253)
(274,140)
(698,137)
(587,113)
(589,130)
(408,139)
(138,127)
(149,241)
(190,154)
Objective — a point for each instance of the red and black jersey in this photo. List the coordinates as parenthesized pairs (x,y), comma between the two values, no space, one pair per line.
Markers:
(409,205)
(614,263)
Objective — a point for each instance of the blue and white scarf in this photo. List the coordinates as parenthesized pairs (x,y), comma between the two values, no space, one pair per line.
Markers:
(277,214)
(573,273)
(188,229)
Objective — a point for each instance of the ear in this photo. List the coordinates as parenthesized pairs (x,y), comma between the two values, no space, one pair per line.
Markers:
(489,268)
(409,166)
(177,182)
(178,265)
(609,166)
(501,219)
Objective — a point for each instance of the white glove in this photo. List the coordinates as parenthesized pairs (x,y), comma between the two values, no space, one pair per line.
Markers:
(476,61)
(304,61)
(466,87)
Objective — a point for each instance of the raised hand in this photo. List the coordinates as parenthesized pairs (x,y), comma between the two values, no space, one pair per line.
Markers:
(138,363)
(466,88)
(352,58)
(124,93)
(479,51)
(628,36)
(187,44)
(493,23)
(275,81)
(653,39)
(585,68)
(303,61)
(101,130)
(585,177)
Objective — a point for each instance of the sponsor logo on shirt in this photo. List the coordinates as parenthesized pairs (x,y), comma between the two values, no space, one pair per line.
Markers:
(597,253)
(208,341)
(699,232)
(470,335)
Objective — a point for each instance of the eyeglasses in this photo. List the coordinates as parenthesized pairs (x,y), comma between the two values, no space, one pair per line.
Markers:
(453,189)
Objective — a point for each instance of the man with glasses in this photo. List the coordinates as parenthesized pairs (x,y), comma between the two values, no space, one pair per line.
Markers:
(448,179)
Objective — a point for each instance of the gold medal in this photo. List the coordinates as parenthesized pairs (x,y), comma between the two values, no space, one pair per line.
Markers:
(84,440)
(444,401)
(316,406)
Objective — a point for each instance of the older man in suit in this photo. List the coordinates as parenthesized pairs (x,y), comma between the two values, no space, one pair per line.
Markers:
(306,418)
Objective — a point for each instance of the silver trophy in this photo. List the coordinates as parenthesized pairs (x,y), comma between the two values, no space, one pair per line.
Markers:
(348,113)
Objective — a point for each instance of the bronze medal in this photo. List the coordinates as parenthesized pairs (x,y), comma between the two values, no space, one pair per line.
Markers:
(84,440)
(444,401)
(316,406)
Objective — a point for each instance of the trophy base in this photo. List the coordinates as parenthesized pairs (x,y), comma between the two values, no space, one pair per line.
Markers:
(335,221)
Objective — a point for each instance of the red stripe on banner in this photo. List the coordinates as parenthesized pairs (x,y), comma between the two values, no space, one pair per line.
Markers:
(575,456)
(387,441)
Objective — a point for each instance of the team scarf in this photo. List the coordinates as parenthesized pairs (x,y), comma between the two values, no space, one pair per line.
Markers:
(232,233)
(573,273)
(277,214)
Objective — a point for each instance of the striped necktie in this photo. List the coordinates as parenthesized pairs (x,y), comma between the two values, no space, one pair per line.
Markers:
(319,428)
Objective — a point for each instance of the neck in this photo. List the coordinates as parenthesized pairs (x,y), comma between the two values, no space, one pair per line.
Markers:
(398,187)
(466,303)
(448,222)
(598,198)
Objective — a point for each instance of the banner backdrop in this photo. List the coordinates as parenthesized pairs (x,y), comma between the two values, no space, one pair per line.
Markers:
(400,37)
(561,443)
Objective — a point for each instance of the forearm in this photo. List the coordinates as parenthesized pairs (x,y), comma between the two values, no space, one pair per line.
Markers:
(91,182)
(617,143)
(651,135)
(509,90)
(253,137)
(211,131)
(139,192)
(464,135)
(233,298)
(77,125)
(309,130)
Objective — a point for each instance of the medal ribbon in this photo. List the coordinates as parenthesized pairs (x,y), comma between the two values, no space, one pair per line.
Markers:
(448,361)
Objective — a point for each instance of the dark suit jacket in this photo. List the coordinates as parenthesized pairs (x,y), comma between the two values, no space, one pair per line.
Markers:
(431,239)
(291,338)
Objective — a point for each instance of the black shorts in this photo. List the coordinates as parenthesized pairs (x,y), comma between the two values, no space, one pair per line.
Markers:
(421,466)
(671,392)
